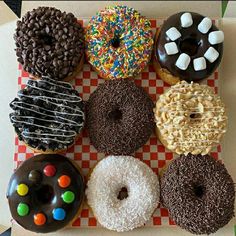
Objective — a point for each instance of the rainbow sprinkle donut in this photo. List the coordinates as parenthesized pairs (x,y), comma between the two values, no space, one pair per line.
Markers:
(119,42)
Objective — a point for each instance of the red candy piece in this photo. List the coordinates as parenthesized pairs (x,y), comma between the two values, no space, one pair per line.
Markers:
(49,170)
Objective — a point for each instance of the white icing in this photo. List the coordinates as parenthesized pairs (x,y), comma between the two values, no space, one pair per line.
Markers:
(183,61)
(171,48)
(173,33)
(211,54)
(205,25)
(216,37)
(107,178)
(199,64)
(186,20)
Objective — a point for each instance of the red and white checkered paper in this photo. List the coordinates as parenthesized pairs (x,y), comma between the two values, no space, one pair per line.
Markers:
(153,153)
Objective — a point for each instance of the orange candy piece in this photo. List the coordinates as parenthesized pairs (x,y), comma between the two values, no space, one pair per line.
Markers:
(64,181)
(39,219)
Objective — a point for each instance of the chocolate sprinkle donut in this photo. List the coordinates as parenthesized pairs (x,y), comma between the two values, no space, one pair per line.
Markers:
(49,43)
(48,115)
(119,117)
(199,193)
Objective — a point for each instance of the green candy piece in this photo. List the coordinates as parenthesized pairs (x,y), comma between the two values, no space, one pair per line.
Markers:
(22,209)
(68,197)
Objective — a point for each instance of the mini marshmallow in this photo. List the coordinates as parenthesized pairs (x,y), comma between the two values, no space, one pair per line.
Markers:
(211,54)
(173,33)
(199,63)
(171,48)
(183,61)
(205,25)
(216,37)
(186,20)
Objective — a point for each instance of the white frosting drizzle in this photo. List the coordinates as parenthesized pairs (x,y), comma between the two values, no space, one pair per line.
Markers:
(107,178)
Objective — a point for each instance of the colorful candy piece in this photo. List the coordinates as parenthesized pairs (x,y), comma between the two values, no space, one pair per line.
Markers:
(64,181)
(49,170)
(35,176)
(68,197)
(22,189)
(59,214)
(22,209)
(39,219)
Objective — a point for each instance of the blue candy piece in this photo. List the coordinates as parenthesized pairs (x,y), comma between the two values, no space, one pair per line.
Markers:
(59,214)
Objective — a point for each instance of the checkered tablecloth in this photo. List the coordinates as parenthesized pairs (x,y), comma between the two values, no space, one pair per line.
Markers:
(153,153)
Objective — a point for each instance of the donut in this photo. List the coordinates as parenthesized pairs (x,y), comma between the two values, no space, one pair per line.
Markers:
(122,192)
(118,42)
(50,43)
(190,118)
(119,117)
(199,193)
(45,193)
(188,47)
(47,115)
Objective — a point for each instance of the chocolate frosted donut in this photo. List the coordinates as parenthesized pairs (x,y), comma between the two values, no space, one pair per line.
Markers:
(48,115)
(199,193)
(50,43)
(188,47)
(45,193)
(119,117)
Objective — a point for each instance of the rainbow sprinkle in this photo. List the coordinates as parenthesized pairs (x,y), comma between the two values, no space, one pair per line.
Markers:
(129,55)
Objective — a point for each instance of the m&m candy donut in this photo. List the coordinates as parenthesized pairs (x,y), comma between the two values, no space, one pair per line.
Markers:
(45,193)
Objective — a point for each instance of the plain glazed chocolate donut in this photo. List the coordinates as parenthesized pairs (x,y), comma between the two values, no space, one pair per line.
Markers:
(123,192)
(50,43)
(45,193)
(199,193)
(119,117)
(188,47)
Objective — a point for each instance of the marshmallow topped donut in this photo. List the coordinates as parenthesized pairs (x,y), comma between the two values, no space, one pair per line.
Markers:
(190,118)
(123,192)
(119,42)
(187,47)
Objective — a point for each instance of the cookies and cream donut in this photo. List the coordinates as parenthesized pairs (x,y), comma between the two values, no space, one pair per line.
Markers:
(119,42)
(199,193)
(48,115)
(50,43)
(188,47)
(119,117)
(123,192)
(190,118)
(45,193)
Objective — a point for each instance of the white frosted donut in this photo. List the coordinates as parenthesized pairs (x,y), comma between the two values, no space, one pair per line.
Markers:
(112,174)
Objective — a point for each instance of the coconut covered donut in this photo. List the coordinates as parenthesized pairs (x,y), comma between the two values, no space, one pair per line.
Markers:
(119,42)
(199,193)
(190,118)
(123,192)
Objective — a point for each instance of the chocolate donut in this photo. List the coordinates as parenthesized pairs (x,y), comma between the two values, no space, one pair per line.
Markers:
(48,115)
(199,193)
(188,47)
(119,117)
(50,43)
(45,193)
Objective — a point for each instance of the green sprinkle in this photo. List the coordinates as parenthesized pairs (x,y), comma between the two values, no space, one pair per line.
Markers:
(22,209)
(68,197)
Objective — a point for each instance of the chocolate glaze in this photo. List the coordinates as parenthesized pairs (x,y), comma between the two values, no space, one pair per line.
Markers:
(199,193)
(194,37)
(39,199)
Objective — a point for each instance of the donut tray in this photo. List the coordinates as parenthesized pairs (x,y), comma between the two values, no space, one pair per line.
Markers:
(153,153)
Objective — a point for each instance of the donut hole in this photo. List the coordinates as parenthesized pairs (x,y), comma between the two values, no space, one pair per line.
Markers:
(45,194)
(115,114)
(46,39)
(189,46)
(123,193)
(199,190)
(115,42)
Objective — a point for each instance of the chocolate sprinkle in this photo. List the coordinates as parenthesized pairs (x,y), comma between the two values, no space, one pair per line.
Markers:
(199,193)
(49,43)
(119,117)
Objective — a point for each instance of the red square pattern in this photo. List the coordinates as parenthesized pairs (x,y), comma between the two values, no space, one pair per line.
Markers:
(153,153)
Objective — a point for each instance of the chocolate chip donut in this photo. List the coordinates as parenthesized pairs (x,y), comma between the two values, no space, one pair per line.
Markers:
(187,47)
(48,115)
(119,117)
(45,193)
(199,193)
(50,43)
